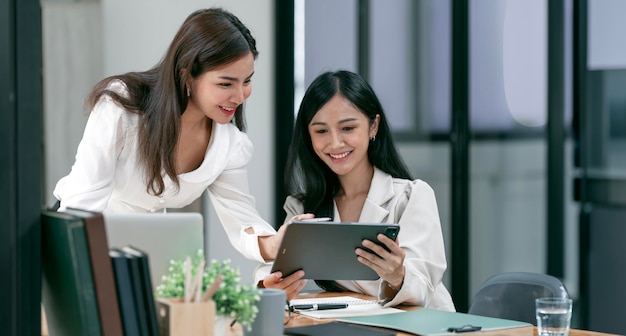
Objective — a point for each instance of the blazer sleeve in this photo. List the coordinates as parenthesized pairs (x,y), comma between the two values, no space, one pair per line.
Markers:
(235,206)
(422,240)
(292,207)
(90,182)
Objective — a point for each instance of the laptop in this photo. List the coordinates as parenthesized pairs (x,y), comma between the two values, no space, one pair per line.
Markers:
(163,236)
(325,250)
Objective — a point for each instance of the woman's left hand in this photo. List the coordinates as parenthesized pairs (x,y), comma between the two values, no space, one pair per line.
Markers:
(389,265)
(292,284)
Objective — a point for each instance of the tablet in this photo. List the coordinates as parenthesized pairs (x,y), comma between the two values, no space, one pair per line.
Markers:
(325,250)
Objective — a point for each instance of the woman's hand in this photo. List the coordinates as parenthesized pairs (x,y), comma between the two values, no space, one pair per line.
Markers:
(269,245)
(292,284)
(299,218)
(389,265)
(278,238)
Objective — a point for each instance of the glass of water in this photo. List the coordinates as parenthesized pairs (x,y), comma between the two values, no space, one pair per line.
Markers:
(553,316)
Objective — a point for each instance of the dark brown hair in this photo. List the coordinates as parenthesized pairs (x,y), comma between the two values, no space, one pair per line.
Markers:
(208,39)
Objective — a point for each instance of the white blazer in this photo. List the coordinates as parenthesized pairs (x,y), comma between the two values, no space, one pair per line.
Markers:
(107,176)
(413,206)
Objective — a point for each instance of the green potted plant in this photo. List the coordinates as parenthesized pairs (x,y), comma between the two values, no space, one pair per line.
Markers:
(232,299)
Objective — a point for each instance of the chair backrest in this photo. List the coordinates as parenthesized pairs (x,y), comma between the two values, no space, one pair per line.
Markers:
(512,295)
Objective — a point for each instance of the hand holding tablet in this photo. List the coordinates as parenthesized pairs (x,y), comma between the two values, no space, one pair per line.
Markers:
(325,250)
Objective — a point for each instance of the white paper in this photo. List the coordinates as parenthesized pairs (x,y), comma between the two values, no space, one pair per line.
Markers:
(356,307)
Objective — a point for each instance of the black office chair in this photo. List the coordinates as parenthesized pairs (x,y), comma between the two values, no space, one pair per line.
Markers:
(512,295)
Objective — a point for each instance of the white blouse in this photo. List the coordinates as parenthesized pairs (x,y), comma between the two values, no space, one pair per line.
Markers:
(108,177)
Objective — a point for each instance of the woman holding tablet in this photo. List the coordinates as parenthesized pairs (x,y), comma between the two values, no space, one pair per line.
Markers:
(343,164)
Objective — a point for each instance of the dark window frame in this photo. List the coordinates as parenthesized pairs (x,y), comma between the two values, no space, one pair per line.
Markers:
(22,169)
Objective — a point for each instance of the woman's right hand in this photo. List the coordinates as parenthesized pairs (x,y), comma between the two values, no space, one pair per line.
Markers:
(292,284)
(269,245)
(278,238)
(297,218)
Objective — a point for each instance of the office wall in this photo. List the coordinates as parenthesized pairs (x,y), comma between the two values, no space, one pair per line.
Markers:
(72,64)
(84,41)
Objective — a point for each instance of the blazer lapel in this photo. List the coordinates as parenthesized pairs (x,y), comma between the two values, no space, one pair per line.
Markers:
(381,191)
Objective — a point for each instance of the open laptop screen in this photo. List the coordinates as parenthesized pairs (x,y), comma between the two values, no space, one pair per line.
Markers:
(163,236)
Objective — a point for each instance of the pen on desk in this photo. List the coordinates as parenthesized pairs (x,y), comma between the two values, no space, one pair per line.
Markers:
(321,306)
(465,328)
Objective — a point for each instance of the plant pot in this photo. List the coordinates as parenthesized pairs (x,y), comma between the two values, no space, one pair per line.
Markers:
(220,325)
(177,318)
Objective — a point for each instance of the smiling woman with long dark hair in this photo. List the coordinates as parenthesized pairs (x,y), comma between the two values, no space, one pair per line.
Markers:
(159,138)
(343,164)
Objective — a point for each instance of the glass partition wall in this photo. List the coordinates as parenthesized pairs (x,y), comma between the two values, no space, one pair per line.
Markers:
(509,170)
(600,180)
(407,49)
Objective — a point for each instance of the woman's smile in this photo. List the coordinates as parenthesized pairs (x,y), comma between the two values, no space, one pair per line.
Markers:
(228,110)
(339,156)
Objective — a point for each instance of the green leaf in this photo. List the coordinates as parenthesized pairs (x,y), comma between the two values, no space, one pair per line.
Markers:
(231,299)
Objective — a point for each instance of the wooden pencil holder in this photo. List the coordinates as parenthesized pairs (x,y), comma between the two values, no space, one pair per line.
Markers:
(177,318)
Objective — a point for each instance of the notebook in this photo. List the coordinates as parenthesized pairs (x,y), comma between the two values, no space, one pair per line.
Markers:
(356,307)
(337,328)
(163,236)
(432,322)
(325,250)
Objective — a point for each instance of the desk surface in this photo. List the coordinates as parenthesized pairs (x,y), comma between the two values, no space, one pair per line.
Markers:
(301,320)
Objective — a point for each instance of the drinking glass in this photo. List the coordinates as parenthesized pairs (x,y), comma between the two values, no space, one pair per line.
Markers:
(553,316)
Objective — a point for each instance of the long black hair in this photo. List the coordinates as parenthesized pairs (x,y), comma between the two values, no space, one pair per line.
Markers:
(307,177)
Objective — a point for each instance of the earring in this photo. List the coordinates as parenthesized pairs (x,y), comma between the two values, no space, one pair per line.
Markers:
(373,138)
(188,93)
